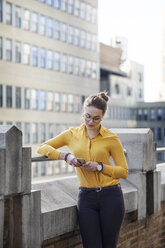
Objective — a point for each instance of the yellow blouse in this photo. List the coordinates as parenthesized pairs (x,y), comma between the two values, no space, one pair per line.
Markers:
(99,148)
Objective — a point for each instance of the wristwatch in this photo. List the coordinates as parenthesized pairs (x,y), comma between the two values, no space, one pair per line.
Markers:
(100,166)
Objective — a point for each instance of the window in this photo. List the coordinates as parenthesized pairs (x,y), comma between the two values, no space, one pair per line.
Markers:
(42,58)
(64,103)
(64,5)
(49,2)
(50,101)
(89,41)
(1,10)
(139,114)
(140,77)
(63,31)
(94,15)
(57,61)
(50,60)
(19,125)
(88,13)
(145,114)
(26,20)
(57,4)
(27,133)
(42,25)
(17,52)
(34,99)
(70,103)
(51,131)
(77,104)
(160,114)
(1,96)
(42,100)
(34,133)
(129,91)
(57,30)
(8,13)
(18,97)
(26,54)
(17,16)
(34,51)
(89,69)
(83,10)
(70,34)
(77,8)
(57,102)
(8,50)
(34,22)
(27,98)
(94,43)
(70,6)
(83,39)
(9,96)
(50,25)
(117,89)
(140,93)
(63,63)
(159,133)
(76,37)
(76,66)
(153,114)
(43,132)
(83,69)
(70,64)
(94,70)
(0,48)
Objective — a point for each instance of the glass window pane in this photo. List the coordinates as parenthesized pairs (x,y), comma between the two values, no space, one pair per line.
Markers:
(27,133)
(88,41)
(94,70)
(63,63)
(83,67)
(34,51)
(17,52)
(26,20)
(26,54)
(57,102)
(64,102)
(42,58)
(76,37)
(50,27)
(88,12)
(70,103)
(49,2)
(34,133)
(63,31)
(57,61)
(57,4)
(77,104)
(19,125)
(34,99)
(50,101)
(0,48)
(42,25)
(94,43)
(83,39)
(64,5)
(17,16)
(50,60)
(57,30)
(83,10)
(70,64)
(1,10)
(43,132)
(76,66)
(27,98)
(8,13)
(42,100)
(70,34)
(77,8)
(94,15)
(51,131)
(18,97)
(34,22)
(70,6)
(8,50)
(1,95)
(89,69)
(9,96)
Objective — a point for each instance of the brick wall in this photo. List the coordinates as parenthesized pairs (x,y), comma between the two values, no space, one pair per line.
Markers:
(146,233)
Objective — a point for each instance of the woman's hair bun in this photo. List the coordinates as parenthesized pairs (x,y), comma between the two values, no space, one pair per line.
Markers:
(103,95)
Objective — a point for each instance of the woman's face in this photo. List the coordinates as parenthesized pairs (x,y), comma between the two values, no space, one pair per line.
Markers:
(92,117)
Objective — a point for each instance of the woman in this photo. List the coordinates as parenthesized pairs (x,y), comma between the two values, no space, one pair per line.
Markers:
(100,202)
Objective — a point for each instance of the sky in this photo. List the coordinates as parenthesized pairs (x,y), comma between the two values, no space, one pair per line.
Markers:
(141,22)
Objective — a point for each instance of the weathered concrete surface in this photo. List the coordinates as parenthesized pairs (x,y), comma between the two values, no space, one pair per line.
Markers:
(59,200)
(141,150)
(1,220)
(31,220)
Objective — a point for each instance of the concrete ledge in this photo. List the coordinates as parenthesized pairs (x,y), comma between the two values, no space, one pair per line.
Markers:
(58,204)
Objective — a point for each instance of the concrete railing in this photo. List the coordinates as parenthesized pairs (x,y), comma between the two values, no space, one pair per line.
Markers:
(33,212)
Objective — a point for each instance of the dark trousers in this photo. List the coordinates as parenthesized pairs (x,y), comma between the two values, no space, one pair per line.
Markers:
(100,215)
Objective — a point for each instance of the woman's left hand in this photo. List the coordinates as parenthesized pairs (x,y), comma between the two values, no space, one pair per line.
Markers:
(90,166)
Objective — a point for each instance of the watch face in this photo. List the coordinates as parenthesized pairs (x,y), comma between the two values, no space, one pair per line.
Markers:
(99,167)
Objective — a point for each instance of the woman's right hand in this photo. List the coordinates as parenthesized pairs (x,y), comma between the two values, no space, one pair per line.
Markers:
(72,160)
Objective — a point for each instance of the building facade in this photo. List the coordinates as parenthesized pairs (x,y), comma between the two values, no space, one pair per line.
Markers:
(49,63)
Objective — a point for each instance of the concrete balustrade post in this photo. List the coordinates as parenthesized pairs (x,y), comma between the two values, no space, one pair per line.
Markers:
(141,158)
(20,209)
